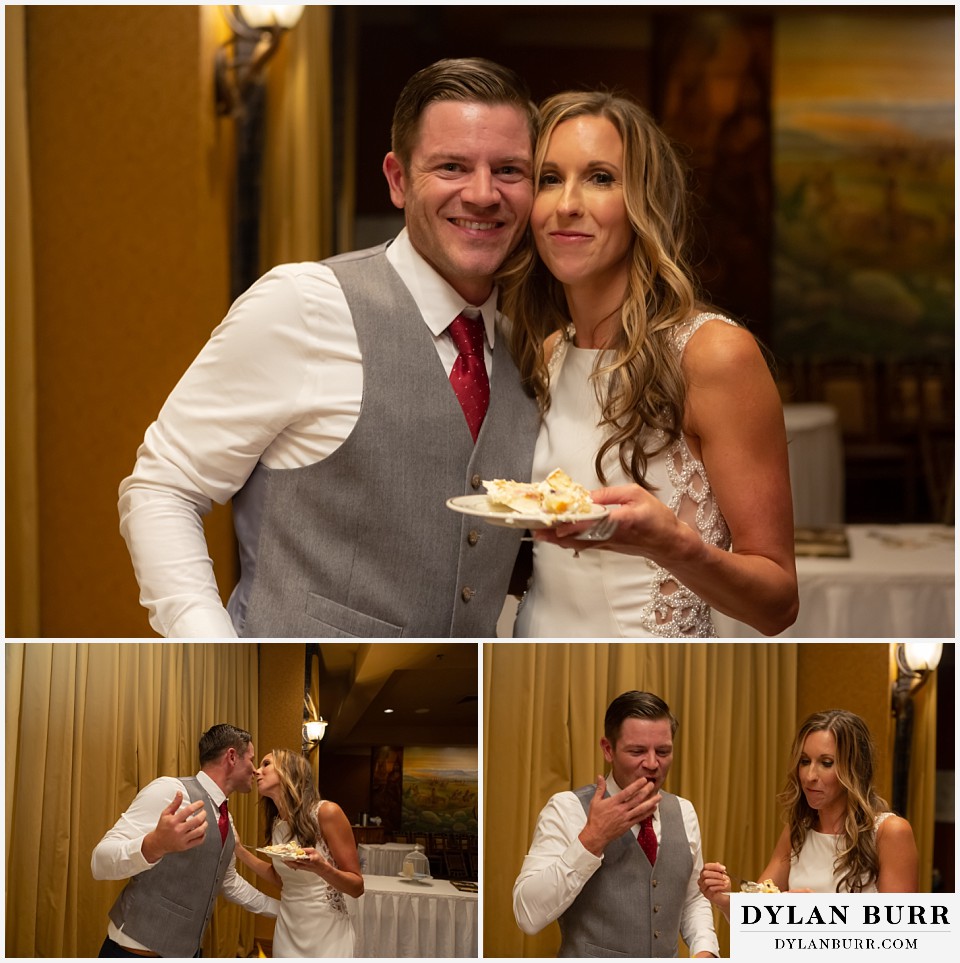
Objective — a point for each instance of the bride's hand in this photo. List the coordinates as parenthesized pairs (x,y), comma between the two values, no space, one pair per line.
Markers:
(714,883)
(315,864)
(645,525)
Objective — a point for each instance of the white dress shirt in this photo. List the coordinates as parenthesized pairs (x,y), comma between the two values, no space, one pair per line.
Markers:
(118,855)
(558,866)
(280,381)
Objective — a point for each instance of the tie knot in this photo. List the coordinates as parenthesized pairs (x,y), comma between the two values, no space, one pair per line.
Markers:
(223,808)
(467,334)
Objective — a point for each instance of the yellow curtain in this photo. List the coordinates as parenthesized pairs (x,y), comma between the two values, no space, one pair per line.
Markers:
(543,719)
(22,571)
(88,726)
(297,213)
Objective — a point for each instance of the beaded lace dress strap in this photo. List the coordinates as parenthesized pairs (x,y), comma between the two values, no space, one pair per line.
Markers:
(683,332)
(560,351)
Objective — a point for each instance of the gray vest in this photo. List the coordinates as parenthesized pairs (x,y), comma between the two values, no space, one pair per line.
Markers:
(628,907)
(361,544)
(167,908)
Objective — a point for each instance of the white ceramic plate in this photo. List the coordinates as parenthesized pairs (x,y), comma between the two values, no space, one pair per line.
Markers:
(479,505)
(292,857)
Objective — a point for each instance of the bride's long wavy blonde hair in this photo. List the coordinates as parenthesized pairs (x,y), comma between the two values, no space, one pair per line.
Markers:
(299,798)
(639,383)
(857,860)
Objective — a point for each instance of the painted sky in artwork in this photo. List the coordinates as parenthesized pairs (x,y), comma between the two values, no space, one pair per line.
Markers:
(829,66)
(440,759)
(835,56)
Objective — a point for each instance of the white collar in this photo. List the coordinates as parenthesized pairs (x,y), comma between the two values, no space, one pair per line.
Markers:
(438,302)
(215,793)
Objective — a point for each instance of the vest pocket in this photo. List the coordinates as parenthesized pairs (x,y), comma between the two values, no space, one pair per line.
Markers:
(592,950)
(338,621)
(175,909)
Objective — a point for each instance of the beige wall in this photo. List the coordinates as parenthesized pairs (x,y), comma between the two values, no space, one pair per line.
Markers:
(854,676)
(281,722)
(281,696)
(130,173)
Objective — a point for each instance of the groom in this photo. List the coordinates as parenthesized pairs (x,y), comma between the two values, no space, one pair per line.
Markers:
(617,863)
(175,845)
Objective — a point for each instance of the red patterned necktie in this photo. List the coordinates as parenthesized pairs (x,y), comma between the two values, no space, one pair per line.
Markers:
(469,375)
(223,822)
(647,839)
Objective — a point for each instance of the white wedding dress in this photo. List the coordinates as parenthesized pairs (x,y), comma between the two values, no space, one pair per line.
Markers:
(605,594)
(814,868)
(313,918)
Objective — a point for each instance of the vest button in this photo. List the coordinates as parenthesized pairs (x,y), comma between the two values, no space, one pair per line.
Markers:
(654,882)
(476,481)
(473,537)
(656,909)
(656,934)
(467,593)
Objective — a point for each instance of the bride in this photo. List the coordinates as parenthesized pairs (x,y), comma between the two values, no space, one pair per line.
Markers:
(313,919)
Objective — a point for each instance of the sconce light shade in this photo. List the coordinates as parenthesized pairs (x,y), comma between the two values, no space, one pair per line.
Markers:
(921,656)
(314,730)
(257,32)
(266,15)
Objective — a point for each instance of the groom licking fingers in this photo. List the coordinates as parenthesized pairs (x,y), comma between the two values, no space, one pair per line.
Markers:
(617,863)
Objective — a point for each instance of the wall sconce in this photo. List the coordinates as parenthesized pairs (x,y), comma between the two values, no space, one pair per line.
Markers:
(313,732)
(257,32)
(916,662)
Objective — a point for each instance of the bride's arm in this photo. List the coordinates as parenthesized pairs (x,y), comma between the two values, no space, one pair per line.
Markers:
(335,828)
(261,867)
(733,422)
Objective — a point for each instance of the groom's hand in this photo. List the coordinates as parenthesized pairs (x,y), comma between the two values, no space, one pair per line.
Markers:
(177,830)
(610,818)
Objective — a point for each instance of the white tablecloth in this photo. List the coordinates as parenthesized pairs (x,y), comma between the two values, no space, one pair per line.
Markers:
(383,859)
(397,918)
(815,451)
(897,583)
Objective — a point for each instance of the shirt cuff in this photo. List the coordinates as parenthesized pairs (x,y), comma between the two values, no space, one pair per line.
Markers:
(138,862)
(580,859)
(203,619)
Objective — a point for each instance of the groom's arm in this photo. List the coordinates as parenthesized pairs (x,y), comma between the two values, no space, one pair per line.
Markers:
(119,855)
(557,866)
(238,890)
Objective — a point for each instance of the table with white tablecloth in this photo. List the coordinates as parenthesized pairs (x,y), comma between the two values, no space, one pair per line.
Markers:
(383,859)
(815,452)
(406,918)
(897,583)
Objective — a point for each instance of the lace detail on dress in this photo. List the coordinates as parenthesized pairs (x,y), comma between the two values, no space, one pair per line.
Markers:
(559,352)
(673,609)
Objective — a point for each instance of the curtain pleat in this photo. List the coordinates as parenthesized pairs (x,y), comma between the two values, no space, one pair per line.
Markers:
(22,511)
(88,725)
(543,719)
